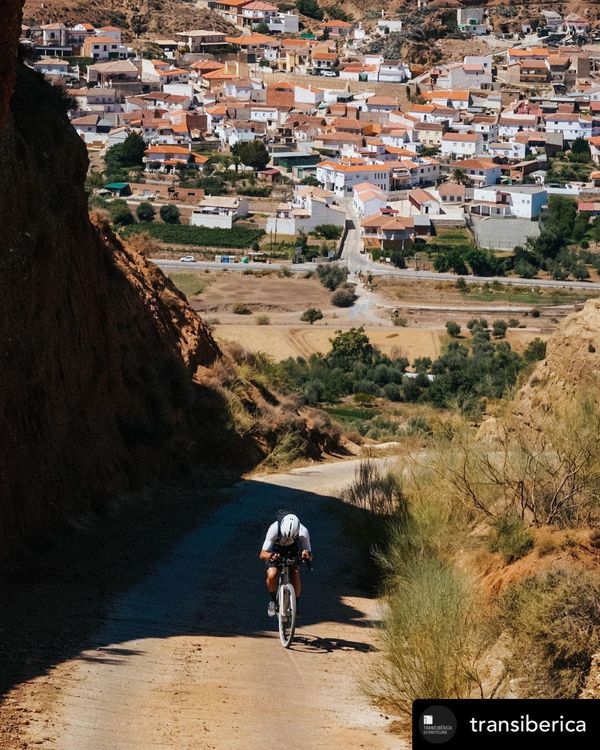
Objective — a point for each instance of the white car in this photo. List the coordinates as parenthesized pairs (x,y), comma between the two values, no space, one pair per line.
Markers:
(329,73)
(187,259)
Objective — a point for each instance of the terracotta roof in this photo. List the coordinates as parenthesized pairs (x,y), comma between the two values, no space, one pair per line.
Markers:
(346,168)
(462,96)
(533,65)
(532,51)
(257,5)
(388,222)
(173,72)
(250,40)
(382,101)
(462,137)
(451,188)
(340,136)
(324,56)
(206,65)
(217,75)
(336,24)
(167,149)
(473,164)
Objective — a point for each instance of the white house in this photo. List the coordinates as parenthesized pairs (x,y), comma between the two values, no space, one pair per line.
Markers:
(112,32)
(271,116)
(54,34)
(284,23)
(508,149)
(487,125)
(255,12)
(571,126)
(104,48)
(341,177)
(474,72)
(201,40)
(166,158)
(219,211)
(520,201)
(52,66)
(480,172)
(308,95)
(310,207)
(471,20)
(368,200)
(511,124)
(462,144)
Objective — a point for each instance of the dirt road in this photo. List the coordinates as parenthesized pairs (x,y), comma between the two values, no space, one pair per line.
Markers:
(188,658)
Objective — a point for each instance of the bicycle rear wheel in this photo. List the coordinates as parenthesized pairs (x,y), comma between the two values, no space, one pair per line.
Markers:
(287,614)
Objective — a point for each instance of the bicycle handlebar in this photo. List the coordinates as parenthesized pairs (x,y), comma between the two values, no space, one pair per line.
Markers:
(290,561)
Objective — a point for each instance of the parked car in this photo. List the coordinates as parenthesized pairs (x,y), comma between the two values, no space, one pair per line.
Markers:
(187,259)
(329,73)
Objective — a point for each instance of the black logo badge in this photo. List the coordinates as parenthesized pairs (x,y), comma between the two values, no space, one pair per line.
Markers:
(437,724)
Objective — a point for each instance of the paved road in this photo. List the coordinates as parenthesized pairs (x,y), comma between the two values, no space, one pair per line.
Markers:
(358,262)
(188,659)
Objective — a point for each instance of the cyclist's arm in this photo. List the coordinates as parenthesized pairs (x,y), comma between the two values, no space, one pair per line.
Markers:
(304,540)
(270,540)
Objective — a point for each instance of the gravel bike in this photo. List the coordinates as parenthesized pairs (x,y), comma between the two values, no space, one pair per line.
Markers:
(286,598)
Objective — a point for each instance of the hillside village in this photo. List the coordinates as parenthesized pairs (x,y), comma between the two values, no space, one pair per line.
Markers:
(342,133)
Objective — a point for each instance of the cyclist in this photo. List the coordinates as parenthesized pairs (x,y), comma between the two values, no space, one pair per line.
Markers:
(285,536)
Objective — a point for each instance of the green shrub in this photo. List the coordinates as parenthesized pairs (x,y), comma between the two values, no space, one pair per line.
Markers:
(311,315)
(255,192)
(510,538)
(329,231)
(344,296)
(145,212)
(331,275)
(169,214)
(121,215)
(499,329)
(399,320)
(453,329)
(262,320)
(241,309)
(419,426)
(535,350)
(555,621)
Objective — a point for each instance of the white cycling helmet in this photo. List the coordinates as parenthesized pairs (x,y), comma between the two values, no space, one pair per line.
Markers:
(290,528)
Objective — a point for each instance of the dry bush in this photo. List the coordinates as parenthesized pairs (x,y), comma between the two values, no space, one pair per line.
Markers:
(142,243)
(555,621)
(547,476)
(374,491)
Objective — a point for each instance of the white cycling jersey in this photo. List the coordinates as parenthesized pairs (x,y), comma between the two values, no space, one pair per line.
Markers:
(273,538)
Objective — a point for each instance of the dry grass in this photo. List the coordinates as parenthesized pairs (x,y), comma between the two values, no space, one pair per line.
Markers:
(283,341)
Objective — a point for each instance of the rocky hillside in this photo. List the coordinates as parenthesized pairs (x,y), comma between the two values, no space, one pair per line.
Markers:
(98,347)
(572,366)
(152,17)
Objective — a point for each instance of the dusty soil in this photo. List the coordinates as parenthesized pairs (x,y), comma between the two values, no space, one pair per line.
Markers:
(282,341)
(187,657)
(283,300)
(262,293)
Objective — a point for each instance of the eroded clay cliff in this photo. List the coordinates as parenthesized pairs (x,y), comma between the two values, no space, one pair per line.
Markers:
(98,348)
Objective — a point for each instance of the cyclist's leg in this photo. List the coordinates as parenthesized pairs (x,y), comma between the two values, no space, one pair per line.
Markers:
(295,579)
(271,579)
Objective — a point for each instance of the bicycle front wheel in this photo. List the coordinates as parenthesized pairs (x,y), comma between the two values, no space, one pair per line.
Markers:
(287,614)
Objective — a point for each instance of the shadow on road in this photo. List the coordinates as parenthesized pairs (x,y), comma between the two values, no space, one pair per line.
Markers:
(206,581)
